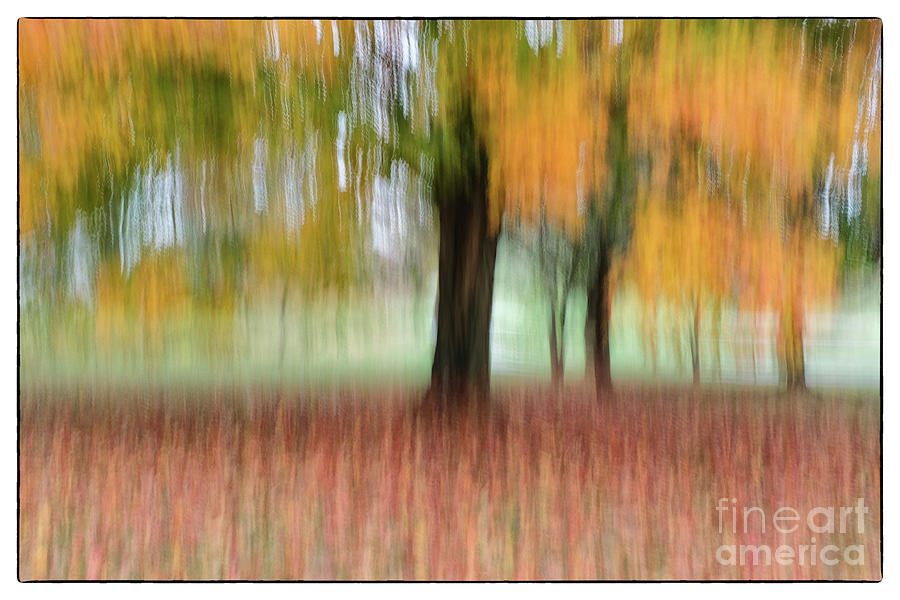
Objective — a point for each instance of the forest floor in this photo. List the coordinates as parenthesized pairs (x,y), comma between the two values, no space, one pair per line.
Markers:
(362,486)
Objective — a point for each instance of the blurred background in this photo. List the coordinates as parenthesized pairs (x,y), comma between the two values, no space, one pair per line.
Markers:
(260,202)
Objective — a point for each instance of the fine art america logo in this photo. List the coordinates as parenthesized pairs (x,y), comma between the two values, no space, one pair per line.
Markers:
(800,526)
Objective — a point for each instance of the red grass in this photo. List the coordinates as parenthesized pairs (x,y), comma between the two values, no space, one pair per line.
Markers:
(366,488)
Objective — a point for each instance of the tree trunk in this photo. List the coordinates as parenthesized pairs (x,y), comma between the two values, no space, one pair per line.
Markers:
(284,295)
(695,342)
(597,323)
(555,354)
(590,333)
(468,249)
(794,363)
(557,337)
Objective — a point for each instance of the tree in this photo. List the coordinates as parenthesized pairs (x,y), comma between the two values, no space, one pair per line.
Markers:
(509,139)
(685,250)
(609,232)
(770,147)
(205,122)
(557,260)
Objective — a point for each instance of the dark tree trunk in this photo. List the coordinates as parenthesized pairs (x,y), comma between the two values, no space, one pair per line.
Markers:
(597,323)
(590,332)
(468,249)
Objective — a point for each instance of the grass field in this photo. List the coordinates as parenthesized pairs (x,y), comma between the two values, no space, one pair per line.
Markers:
(274,485)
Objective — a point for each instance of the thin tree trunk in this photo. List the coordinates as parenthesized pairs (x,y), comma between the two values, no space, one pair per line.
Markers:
(557,295)
(284,295)
(231,210)
(174,227)
(695,342)
(556,367)
(563,311)
(590,332)
(600,314)
(795,364)
(562,325)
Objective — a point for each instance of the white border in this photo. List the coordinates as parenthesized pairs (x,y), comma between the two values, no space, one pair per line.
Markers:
(8,269)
